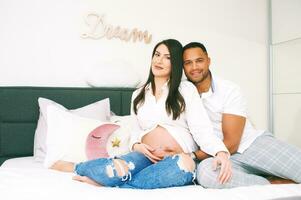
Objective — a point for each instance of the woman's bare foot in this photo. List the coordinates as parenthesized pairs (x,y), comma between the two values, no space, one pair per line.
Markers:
(85,179)
(63,166)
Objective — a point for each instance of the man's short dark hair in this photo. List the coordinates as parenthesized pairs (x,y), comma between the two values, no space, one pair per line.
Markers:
(195,45)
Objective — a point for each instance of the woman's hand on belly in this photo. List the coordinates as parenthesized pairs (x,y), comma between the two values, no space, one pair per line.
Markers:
(162,152)
(148,151)
(161,142)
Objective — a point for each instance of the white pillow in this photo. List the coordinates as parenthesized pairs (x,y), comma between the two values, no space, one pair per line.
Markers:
(118,142)
(124,75)
(99,110)
(66,136)
(73,138)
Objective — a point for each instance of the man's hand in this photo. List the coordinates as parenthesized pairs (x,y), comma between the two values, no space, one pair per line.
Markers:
(222,160)
(147,150)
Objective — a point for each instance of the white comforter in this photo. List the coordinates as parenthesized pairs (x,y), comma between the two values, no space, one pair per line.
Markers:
(32,182)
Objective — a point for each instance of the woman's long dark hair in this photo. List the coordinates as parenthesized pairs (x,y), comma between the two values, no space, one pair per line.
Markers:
(175,103)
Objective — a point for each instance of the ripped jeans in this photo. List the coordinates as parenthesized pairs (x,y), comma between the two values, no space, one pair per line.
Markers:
(142,173)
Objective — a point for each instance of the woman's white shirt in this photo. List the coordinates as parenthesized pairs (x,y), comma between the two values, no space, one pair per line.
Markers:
(192,129)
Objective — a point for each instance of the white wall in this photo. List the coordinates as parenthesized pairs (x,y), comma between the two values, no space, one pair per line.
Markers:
(40,41)
(286,44)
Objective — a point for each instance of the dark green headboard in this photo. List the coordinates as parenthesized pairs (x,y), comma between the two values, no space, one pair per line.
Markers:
(19,111)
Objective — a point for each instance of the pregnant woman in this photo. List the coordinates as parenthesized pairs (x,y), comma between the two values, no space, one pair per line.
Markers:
(171,123)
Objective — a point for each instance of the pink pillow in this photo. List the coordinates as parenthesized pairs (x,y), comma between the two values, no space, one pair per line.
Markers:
(96,143)
(110,139)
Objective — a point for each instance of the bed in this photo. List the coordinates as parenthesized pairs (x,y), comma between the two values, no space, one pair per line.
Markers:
(22,177)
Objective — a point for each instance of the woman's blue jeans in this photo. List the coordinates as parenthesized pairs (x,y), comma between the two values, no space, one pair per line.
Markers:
(142,173)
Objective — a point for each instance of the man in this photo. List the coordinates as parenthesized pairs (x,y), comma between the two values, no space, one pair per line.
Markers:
(256,154)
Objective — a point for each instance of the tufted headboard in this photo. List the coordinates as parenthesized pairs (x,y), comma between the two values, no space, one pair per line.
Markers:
(19,111)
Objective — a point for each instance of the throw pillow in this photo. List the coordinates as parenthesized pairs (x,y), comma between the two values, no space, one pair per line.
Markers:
(99,110)
(96,141)
(67,135)
(124,75)
(118,142)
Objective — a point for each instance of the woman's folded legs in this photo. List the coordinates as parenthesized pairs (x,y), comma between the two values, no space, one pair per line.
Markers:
(112,171)
(172,171)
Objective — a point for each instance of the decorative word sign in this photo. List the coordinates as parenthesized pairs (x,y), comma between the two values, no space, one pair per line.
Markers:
(98,29)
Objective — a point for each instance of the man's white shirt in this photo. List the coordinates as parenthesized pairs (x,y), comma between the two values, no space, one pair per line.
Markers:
(226,97)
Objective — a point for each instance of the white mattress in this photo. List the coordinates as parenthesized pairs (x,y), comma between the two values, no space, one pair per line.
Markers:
(23,162)
(23,178)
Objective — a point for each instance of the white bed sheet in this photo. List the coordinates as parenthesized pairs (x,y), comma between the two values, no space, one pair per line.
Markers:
(22,162)
(23,178)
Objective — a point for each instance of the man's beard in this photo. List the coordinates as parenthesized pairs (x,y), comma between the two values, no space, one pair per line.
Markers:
(204,77)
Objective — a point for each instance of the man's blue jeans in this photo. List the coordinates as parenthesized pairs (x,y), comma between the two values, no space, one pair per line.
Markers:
(142,172)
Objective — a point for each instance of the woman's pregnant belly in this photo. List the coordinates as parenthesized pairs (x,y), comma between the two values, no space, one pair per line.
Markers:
(163,143)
